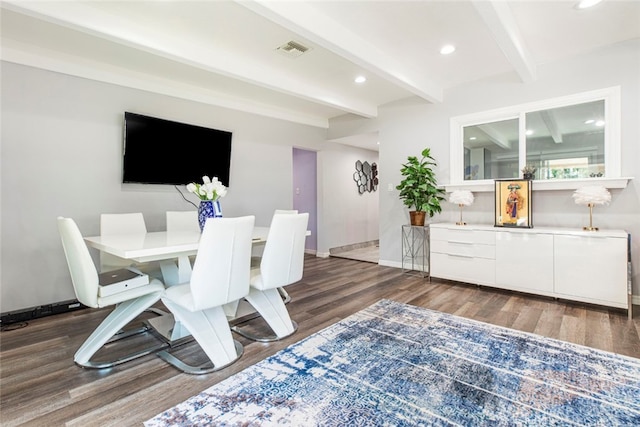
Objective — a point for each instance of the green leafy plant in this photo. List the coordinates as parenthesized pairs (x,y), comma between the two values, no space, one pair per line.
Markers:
(419,187)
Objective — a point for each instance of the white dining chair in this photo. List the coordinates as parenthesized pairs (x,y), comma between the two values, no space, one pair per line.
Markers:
(129,303)
(257,256)
(255,259)
(119,224)
(183,221)
(281,265)
(220,275)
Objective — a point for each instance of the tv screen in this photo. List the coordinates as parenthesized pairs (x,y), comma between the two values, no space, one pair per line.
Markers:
(158,151)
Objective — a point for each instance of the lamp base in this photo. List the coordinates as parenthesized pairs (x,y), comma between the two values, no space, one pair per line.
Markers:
(461,223)
(590,227)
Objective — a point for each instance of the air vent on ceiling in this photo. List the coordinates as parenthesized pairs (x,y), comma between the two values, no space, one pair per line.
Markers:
(292,49)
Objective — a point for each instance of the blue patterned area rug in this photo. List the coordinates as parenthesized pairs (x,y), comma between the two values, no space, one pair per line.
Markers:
(393,364)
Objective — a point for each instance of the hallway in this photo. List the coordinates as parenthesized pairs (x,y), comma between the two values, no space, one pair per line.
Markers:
(368,251)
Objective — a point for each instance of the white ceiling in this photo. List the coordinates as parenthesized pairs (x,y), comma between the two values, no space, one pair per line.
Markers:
(225,52)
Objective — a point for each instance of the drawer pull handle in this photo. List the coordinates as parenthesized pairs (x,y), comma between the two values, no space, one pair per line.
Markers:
(461,256)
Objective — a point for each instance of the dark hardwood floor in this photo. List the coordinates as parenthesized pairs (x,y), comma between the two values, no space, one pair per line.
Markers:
(41,386)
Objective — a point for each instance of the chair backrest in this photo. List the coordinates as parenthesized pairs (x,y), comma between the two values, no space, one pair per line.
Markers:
(125,223)
(283,257)
(114,224)
(83,272)
(183,221)
(222,268)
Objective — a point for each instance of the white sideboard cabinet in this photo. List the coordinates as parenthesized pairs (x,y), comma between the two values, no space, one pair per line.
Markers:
(525,262)
(563,263)
(465,255)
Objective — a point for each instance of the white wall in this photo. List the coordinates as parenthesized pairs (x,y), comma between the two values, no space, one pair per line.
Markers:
(345,216)
(61,155)
(406,127)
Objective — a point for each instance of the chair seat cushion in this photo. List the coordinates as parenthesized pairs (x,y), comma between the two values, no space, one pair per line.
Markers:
(181,295)
(153,286)
(256,281)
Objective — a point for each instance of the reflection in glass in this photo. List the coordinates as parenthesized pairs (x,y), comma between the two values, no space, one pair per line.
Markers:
(567,142)
(491,150)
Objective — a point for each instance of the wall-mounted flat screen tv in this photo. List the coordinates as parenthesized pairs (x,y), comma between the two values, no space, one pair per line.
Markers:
(158,151)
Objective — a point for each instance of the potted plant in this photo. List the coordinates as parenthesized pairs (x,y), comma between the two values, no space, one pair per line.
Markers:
(528,171)
(419,188)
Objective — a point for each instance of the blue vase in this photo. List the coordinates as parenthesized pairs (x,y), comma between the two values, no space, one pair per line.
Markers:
(208,209)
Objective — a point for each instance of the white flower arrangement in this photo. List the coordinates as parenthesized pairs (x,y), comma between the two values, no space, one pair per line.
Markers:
(211,189)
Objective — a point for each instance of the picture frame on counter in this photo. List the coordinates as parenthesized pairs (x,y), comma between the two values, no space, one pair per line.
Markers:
(513,203)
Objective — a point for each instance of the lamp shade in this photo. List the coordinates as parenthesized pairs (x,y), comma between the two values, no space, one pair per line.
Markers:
(461,197)
(592,195)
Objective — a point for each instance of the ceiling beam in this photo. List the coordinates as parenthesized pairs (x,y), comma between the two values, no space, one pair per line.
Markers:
(87,70)
(303,19)
(551,123)
(120,29)
(500,21)
(495,136)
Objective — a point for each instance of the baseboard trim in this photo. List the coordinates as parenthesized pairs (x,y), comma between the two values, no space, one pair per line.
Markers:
(387,263)
(353,246)
(27,314)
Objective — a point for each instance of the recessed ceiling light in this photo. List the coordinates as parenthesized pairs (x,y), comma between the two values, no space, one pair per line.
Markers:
(447,49)
(529,132)
(360,79)
(473,138)
(583,4)
(600,123)
(588,122)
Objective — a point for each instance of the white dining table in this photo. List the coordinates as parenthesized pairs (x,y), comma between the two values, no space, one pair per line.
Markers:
(171,249)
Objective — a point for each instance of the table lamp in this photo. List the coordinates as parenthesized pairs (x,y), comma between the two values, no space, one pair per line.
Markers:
(590,196)
(461,198)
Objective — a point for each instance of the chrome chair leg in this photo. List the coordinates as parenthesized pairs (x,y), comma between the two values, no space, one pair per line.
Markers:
(268,338)
(206,368)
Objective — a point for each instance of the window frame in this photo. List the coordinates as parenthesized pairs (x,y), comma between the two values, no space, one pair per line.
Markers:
(612,142)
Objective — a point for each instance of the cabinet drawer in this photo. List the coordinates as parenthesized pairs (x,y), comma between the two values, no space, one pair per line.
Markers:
(464,269)
(439,233)
(463,249)
(484,251)
(484,237)
(455,248)
(463,235)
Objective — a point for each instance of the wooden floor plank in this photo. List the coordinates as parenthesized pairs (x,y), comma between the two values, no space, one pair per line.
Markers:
(40,384)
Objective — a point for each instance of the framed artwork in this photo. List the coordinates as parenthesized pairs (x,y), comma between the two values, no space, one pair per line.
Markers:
(513,203)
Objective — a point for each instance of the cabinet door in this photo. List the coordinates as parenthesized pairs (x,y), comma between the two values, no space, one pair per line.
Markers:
(592,268)
(524,261)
